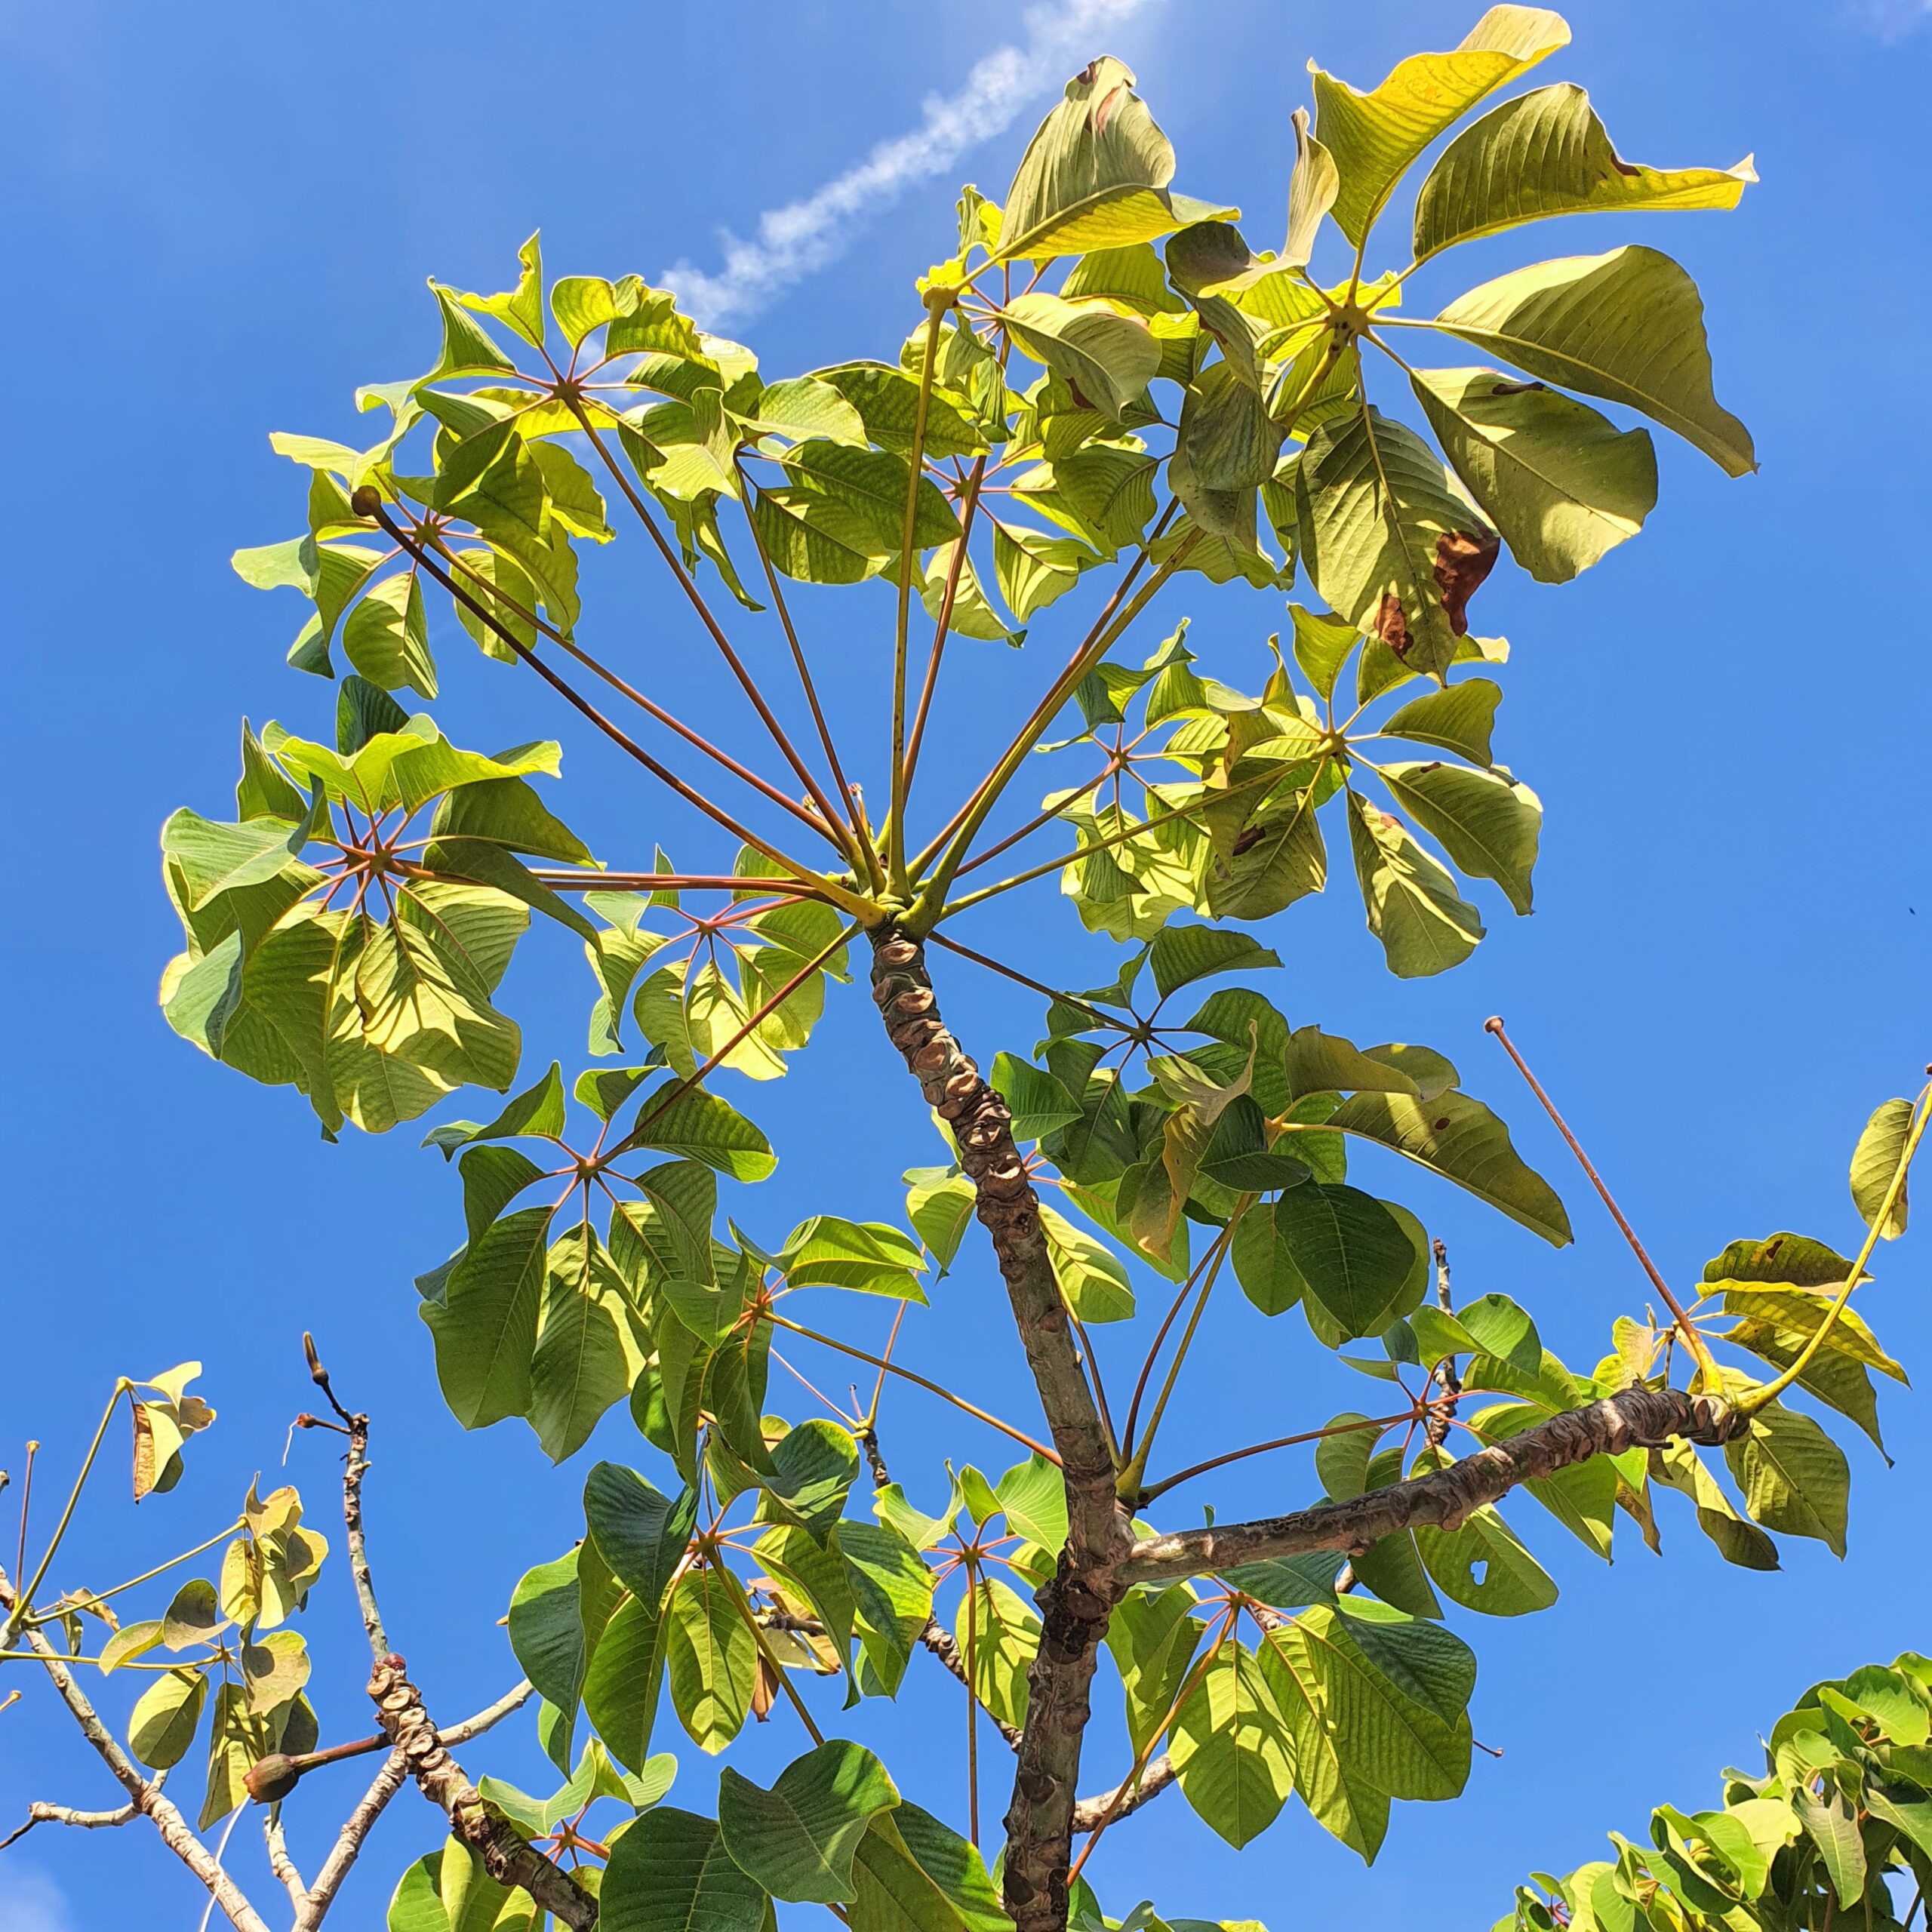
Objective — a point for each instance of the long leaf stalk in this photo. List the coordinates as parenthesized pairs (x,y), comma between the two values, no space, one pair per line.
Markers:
(862,838)
(669,720)
(936,306)
(851,901)
(1691,1335)
(1757,1399)
(696,598)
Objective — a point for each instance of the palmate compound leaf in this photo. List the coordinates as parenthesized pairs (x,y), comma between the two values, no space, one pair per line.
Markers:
(1628,327)
(1547,153)
(373,1019)
(798,1839)
(1386,539)
(1374,136)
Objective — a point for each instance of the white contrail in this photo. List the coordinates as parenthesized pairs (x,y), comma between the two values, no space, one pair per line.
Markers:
(795,240)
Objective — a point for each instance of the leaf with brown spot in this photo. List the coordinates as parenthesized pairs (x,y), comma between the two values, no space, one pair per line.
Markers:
(1463,560)
(1387,539)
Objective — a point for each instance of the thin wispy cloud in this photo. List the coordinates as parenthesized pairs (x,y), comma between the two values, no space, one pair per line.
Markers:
(31,1901)
(1893,20)
(793,241)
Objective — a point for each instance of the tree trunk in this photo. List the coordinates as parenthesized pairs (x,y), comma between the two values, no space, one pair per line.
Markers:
(1075,1605)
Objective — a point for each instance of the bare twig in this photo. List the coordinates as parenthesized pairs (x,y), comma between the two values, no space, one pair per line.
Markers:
(280,1862)
(1692,1338)
(41,1813)
(508,1857)
(354,1469)
(349,1842)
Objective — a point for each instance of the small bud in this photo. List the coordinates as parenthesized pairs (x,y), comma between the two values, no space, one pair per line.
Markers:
(272,1777)
(365,499)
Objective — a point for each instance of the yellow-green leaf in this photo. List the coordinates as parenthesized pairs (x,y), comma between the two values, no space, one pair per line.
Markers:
(1627,326)
(1561,482)
(1547,154)
(1374,136)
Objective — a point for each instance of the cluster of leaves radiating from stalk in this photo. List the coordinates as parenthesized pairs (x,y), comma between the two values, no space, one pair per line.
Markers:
(1195,413)
(1836,1829)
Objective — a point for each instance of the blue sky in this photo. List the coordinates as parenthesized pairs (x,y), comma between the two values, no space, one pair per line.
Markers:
(225,216)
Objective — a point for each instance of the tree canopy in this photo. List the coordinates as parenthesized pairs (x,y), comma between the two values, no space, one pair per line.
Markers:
(1110,400)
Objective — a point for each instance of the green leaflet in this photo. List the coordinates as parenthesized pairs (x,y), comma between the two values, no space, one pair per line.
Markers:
(1561,483)
(939,1203)
(1386,541)
(798,1839)
(1794,1478)
(671,1872)
(1374,136)
(1487,823)
(870,1257)
(547,1637)
(450,1891)
(1233,1751)
(485,1322)
(913,1874)
(1355,1257)
(584,1359)
(699,1126)
(1108,357)
(1461,1140)
(1389,1692)
(1881,1147)
(1152,1636)
(1425,924)
(712,1656)
(1095,174)
(163,1722)
(999,1635)
(1091,1277)
(1460,719)
(1482,1566)
(1627,326)
(1547,153)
